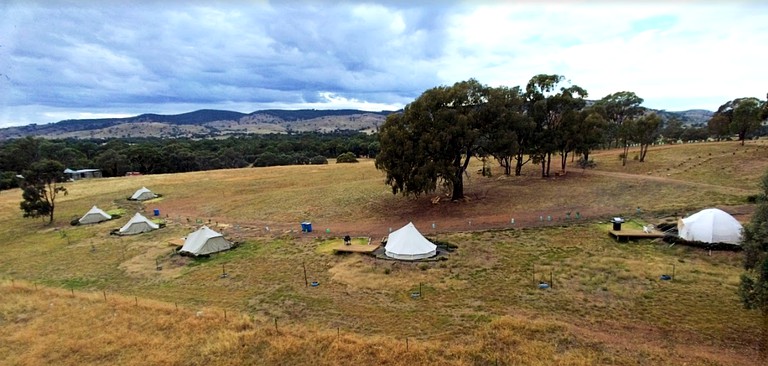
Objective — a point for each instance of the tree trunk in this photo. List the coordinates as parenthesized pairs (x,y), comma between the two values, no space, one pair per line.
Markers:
(626,152)
(519,162)
(564,161)
(458,190)
(458,178)
(643,151)
(549,162)
(506,163)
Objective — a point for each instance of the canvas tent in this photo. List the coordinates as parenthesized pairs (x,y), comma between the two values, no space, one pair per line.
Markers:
(408,244)
(143,194)
(94,215)
(710,226)
(137,225)
(205,241)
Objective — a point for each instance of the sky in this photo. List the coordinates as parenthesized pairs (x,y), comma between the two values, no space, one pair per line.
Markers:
(98,59)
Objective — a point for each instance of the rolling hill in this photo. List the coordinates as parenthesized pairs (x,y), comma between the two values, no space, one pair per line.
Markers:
(209,123)
(205,123)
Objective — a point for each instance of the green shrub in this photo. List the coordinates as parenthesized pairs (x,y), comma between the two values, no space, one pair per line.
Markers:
(346,157)
(318,160)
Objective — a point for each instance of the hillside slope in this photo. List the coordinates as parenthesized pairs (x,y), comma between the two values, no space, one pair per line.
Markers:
(205,123)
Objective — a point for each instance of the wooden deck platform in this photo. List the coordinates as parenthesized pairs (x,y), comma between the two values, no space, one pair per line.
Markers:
(633,234)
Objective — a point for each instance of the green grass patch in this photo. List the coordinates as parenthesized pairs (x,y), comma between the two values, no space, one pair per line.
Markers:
(326,246)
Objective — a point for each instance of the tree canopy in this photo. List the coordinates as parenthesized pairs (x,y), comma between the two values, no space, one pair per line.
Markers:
(618,108)
(740,116)
(433,139)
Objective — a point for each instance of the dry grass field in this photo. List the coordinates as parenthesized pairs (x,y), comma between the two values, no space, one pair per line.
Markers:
(76,295)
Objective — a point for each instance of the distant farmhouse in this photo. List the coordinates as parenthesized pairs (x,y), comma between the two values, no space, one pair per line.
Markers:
(82,173)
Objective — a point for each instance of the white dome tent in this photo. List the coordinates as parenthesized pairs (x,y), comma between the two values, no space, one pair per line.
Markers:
(205,241)
(408,244)
(94,215)
(710,226)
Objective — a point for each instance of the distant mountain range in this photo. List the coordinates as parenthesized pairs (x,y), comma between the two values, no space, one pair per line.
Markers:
(209,123)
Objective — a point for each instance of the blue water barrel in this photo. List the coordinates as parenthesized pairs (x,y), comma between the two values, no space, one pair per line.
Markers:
(306,227)
(157,212)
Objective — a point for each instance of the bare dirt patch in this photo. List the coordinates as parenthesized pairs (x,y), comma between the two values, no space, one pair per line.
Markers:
(152,257)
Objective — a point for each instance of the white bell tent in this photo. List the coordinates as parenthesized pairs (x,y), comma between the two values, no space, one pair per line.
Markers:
(137,225)
(710,226)
(408,244)
(143,194)
(205,241)
(94,215)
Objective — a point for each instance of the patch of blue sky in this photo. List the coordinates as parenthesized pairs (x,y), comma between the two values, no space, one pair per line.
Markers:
(658,22)
(561,41)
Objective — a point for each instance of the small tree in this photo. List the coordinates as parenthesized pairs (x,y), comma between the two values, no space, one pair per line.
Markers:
(753,289)
(617,108)
(347,157)
(646,131)
(40,187)
(740,116)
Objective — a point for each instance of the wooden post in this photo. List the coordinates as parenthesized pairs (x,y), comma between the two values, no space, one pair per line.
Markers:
(276,325)
(225,314)
(13,283)
(73,291)
(421,296)
(136,298)
(551,283)
(105,294)
(533,274)
(406,344)
(306,282)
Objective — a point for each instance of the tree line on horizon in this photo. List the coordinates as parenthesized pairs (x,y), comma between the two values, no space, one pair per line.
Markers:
(429,144)
(116,157)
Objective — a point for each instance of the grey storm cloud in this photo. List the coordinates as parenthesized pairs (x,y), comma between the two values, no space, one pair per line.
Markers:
(115,54)
(66,59)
